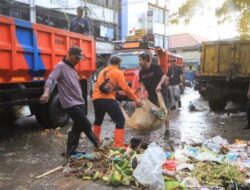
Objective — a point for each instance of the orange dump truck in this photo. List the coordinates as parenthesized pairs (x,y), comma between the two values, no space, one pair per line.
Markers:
(28,53)
(129,52)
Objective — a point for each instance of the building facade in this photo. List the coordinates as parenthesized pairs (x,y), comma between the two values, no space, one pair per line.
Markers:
(188,46)
(150,15)
(102,15)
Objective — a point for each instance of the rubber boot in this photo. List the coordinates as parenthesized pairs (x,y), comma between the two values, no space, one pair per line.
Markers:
(119,138)
(97,130)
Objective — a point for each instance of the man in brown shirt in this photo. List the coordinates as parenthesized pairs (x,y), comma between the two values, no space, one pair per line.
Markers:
(71,100)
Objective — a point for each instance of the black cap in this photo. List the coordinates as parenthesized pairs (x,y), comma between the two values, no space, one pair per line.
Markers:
(75,50)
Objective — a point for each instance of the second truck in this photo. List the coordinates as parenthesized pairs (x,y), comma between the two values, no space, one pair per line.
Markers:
(224,73)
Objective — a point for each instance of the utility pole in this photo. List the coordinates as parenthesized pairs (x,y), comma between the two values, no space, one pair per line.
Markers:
(33,10)
(85,7)
(116,10)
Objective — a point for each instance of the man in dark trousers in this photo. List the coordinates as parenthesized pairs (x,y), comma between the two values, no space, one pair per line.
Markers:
(175,80)
(105,102)
(79,24)
(71,99)
(149,77)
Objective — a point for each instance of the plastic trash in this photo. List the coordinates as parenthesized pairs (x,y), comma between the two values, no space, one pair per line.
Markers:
(88,156)
(247,163)
(207,156)
(215,143)
(231,156)
(169,165)
(180,156)
(191,106)
(191,182)
(192,151)
(169,155)
(185,166)
(149,170)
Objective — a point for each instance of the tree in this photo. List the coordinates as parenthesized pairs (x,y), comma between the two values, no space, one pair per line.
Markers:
(230,9)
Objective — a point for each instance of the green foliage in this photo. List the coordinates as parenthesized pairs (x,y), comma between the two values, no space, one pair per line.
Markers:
(185,12)
(230,9)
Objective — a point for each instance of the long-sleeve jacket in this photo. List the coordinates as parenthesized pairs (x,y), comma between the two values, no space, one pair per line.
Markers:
(117,78)
(70,93)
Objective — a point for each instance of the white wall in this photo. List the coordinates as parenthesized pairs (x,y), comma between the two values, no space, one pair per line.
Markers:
(137,10)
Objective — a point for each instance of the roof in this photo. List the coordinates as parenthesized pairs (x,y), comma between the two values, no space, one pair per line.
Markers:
(185,40)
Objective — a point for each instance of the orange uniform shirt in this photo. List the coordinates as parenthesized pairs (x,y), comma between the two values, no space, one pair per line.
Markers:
(117,78)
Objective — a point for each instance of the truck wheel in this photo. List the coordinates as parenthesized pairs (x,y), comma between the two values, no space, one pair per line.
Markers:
(202,93)
(7,116)
(217,104)
(51,115)
(41,113)
(58,117)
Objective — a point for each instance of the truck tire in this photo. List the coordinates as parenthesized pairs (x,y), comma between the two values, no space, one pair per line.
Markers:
(7,116)
(217,104)
(202,93)
(51,115)
(58,116)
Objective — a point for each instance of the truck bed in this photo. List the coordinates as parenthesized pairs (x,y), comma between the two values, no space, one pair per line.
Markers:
(226,59)
(29,51)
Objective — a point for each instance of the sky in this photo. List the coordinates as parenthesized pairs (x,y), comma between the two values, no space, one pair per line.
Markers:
(204,23)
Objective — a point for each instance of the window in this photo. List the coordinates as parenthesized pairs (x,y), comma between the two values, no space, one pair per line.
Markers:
(103,31)
(129,59)
(63,3)
(15,9)
(105,3)
(51,18)
(159,40)
(107,32)
(158,14)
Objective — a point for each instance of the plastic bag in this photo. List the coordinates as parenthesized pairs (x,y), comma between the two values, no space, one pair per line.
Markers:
(148,117)
(208,156)
(191,183)
(149,170)
(215,143)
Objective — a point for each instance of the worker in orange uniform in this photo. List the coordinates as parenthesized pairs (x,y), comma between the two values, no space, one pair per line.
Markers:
(110,78)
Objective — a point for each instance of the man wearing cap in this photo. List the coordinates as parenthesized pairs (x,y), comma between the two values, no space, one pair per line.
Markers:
(174,78)
(104,99)
(71,99)
(79,24)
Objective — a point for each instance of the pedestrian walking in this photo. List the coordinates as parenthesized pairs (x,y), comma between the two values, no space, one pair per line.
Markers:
(149,77)
(71,99)
(175,80)
(104,100)
(80,24)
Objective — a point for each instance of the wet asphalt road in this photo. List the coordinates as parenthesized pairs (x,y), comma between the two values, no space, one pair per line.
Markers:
(26,150)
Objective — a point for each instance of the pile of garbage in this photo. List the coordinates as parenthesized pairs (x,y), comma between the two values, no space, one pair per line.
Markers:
(214,164)
(112,166)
